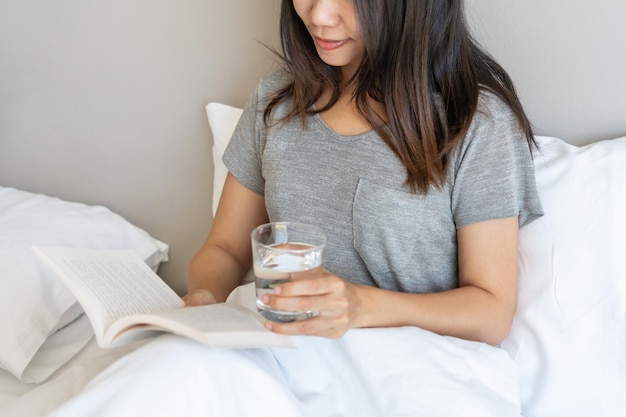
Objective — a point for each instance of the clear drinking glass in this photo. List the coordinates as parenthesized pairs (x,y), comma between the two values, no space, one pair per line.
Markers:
(279,249)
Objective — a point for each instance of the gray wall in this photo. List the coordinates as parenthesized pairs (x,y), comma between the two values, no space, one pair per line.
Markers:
(568,59)
(102,101)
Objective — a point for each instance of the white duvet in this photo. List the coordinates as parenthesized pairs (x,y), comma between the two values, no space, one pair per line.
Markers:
(369,372)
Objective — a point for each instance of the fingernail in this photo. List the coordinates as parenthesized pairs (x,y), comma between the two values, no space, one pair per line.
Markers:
(266,299)
(268,325)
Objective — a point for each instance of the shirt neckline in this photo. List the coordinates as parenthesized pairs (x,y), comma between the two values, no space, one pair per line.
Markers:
(320,121)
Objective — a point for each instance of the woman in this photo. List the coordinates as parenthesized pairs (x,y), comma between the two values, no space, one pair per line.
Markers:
(394,132)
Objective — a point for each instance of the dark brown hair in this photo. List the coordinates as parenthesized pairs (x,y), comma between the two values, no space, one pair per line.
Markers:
(420,62)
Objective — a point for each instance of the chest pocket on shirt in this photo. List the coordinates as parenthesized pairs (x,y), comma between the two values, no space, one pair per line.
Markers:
(387,226)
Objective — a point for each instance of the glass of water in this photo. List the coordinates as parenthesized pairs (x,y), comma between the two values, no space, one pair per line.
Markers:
(278,250)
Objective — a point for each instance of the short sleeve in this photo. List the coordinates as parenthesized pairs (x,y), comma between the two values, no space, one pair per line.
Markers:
(242,156)
(492,172)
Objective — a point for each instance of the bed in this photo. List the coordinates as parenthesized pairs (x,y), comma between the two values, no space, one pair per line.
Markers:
(564,356)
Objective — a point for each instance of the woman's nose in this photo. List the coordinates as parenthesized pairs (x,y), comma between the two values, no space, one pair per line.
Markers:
(325,12)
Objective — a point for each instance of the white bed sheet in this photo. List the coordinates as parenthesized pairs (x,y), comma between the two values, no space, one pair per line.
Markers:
(11,388)
(19,399)
(369,372)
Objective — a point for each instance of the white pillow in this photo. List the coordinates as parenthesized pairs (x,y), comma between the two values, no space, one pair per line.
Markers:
(35,303)
(222,121)
(569,333)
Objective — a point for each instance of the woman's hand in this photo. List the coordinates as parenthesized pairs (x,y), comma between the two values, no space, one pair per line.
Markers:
(337,302)
(199,297)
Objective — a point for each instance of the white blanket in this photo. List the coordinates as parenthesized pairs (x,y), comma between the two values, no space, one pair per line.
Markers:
(369,372)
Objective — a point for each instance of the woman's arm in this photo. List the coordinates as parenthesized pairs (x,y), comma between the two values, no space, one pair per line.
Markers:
(222,262)
(482,308)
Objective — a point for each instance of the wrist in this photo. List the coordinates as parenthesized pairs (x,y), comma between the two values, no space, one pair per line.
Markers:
(366,306)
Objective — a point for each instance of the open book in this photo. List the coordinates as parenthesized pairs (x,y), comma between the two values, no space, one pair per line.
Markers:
(126,301)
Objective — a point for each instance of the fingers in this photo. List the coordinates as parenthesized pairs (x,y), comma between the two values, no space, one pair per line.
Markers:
(306,294)
(328,304)
(199,297)
(301,284)
(334,299)
(321,325)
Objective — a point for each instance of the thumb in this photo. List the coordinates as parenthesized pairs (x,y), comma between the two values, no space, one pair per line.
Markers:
(198,298)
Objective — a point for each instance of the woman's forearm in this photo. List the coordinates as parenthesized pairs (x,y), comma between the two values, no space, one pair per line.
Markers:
(468,312)
(215,270)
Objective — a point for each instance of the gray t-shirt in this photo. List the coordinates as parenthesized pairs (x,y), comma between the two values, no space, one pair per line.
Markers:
(354,188)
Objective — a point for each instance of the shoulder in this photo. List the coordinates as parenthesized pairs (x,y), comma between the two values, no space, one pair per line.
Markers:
(271,82)
(265,89)
(493,123)
(491,109)
(495,134)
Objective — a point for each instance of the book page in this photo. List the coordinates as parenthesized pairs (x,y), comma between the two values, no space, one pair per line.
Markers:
(117,281)
(218,325)
(217,318)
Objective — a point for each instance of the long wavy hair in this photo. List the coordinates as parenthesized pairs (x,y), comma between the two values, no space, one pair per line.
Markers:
(420,62)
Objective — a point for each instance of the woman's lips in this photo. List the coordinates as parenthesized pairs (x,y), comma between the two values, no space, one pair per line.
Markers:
(328,44)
